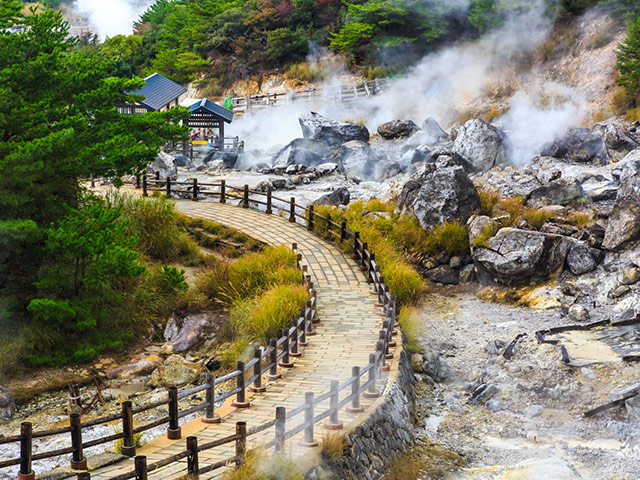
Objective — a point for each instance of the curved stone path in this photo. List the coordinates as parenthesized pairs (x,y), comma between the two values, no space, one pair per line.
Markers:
(347,334)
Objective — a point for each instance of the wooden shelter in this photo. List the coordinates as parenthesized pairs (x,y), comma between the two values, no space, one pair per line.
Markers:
(206,114)
(159,93)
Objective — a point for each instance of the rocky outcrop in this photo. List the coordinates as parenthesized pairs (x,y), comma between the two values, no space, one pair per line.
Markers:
(356,159)
(623,226)
(580,259)
(578,145)
(183,333)
(176,372)
(316,127)
(615,138)
(299,151)
(227,159)
(141,364)
(479,225)
(7,404)
(432,129)
(340,196)
(515,257)
(436,195)
(556,193)
(165,165)
(481,145)
(397,129)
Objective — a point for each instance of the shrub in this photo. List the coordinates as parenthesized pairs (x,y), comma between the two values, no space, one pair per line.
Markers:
(238,350)
(489,200)
(410,326)
(258,466)
(162,291)
(450,237)
(536,218)
(305,72)
(332,446)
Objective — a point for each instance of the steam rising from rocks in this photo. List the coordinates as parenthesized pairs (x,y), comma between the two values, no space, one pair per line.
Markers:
(112,17)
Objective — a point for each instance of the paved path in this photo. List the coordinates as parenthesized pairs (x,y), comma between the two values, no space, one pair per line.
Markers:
(347,334)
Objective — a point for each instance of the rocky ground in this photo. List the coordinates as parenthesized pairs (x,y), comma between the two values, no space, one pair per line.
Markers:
(487,417)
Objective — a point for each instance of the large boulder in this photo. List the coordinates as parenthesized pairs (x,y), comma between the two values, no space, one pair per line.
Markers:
(581,259)
(628,166)
(181,334)
(165,165)
(176,372)
(578,145)
(316,127)
(398,129)
(623,226)
(228,159)
(557,192)
(515,257)
(141,364)
(299,151)
(481,145)
(435,195)
(340,196)
(7,404)
(615,138)
(421,154)
(432,129)
(356,159)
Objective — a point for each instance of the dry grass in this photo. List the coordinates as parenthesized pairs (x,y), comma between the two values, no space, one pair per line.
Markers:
(306,72)
(483,240)
(580,219)
(450,237)
(410,326)
(489,200)
(332,446)
(513,207)
(260,466)
(536,218)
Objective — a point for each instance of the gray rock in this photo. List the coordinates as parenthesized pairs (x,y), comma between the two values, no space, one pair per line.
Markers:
(397,129)
(316,127)
(628,166)
(299,151)
(432,128)
(421,154)
(615,138)
(228,159)
(184,333)
(340,196)
(633,408)
(165,165)
(481,145)
(623,226)
(578,145)
(600,190)
(580,259)
(483,393)
(630,275)
(578,313)
(515,257)
(7,404)
(620,393)
(385,169)
(444,274)
(182,161)
(176,372)
(436,195)
(467,274)
(556,193)
(356,159)
(278,183)
(434,366)
(618,292)
(326,168)
(533,411)
(478,225)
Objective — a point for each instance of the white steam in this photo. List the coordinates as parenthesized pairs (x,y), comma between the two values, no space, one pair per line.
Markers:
(462,78)
(112,17)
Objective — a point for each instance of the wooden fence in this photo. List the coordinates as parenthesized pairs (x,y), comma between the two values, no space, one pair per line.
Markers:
(346,93)
(266,362)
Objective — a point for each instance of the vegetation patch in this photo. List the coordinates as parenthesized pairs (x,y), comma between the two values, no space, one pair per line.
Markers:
(410,326)
(260,466)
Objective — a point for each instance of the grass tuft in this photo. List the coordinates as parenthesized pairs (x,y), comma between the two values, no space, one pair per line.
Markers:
(489,200)
(332,446)
(483,240)
(260,466)
(410,326)
(450,237)
(536,218)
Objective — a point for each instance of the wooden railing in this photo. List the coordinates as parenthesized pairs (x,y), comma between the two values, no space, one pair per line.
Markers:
(279,354)
(346,93)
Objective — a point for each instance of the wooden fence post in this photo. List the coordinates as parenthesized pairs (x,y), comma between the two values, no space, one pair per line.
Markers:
(372,391)
(174,432)
(303,330)
(144,186)
(257,371)
(157,176)
(168,187)
(269,210)
(292,210)
(128,445)
(83,476)
(245,197)
(26,452)
(310,219)
(210,415)
(78,462)
(334,401)
(223,191)
(241,442)
(281,418)
(241,399)
(273,360)
(356,238)
(295,344)
(286,361)
(363,257)
(194,188)
(343,231)
(137,181)
(140,463)
(355,392)
(193,467)
(308,421)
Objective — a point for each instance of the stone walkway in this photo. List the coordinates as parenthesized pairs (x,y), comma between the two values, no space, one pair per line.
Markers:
(347,334)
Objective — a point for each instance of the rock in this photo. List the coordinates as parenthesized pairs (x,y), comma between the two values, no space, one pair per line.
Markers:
(176,372)
(618,292)
(483,393)
(443,274)
(165,165)
(578,313)
(587,373)
(533,411)
(436,195)
(515,257)
(467,274)
(326,168)
(510,181)
(615,138)
(228,159)
(316,127)
(628,166)
(433,129)
(417,363)
(556,193)
(7,404)
(182,334)
(296,156)
(633,408)
(620,393)
(141,364)
(623,226)
(398,129)
(478,225)
(340,196)
(580,259)
(182,161)
(356,159)
(278,183)
(481,145)
(421,154)
(434,366)
(630,275)
(578,145)
(600,190)
(455,262)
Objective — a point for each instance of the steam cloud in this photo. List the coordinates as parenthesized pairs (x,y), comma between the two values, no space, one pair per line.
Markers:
(112,17)
(444,83)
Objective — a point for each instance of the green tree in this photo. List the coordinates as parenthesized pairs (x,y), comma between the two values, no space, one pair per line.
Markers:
(629,58)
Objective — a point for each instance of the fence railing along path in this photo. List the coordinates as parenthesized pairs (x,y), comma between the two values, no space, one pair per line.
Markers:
(331,358)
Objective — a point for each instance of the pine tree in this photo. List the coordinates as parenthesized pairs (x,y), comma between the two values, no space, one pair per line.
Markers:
(629,58)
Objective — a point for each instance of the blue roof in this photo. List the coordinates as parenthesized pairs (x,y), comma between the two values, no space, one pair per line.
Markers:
(158,91)
(207,106)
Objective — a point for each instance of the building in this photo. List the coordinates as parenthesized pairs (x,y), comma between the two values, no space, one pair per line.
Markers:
(159,93)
